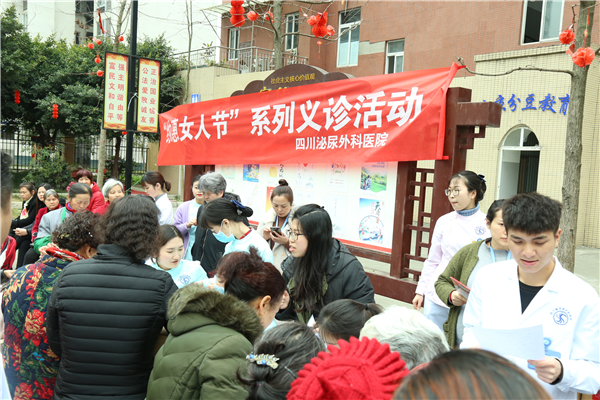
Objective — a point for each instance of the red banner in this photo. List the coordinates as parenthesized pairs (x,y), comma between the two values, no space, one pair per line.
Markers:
(394,117)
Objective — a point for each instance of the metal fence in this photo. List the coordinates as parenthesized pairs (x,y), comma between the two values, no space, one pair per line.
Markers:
(20,147)
(243,60)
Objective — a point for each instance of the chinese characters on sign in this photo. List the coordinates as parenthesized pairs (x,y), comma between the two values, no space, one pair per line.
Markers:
(115,91)
(148,95)
(546,104)
(381,118)
(291,79)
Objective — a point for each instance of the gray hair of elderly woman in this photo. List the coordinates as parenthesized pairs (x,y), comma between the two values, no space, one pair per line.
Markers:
(408,332)
(212,182)
(111,183)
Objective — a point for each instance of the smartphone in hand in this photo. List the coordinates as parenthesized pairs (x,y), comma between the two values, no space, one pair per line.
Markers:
(276,229)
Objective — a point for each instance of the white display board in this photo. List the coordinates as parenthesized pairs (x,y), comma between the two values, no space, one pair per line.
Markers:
(359,197)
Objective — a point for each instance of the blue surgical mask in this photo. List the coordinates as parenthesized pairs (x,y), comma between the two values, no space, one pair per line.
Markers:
(221,237)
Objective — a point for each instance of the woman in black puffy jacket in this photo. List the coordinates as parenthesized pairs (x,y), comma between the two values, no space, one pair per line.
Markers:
(320,269)
(106,313)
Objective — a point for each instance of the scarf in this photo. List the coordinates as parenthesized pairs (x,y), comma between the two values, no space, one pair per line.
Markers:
(25,211)
(68,207)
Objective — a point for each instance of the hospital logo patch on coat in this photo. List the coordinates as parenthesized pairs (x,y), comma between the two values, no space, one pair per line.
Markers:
(479,230)
(561,316)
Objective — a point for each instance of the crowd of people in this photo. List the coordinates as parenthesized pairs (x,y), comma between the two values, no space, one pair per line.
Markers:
(118,296)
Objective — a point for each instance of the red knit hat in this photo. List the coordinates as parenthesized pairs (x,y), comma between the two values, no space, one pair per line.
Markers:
(360,370)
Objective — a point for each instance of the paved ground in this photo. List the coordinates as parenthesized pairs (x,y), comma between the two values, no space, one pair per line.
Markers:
(587,267)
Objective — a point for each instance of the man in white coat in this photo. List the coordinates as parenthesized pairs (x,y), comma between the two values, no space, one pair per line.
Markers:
(534,289)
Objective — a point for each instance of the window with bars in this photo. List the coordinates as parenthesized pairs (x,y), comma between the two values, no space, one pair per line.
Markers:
(348,40)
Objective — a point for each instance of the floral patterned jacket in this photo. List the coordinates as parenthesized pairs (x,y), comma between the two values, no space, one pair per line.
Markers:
(29,363)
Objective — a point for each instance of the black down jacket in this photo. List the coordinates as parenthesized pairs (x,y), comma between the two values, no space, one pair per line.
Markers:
(346,279)
(104,317)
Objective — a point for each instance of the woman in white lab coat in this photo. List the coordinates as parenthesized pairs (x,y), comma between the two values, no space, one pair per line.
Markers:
(452,231)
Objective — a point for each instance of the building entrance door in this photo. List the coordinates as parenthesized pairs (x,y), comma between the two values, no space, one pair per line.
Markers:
(519,163)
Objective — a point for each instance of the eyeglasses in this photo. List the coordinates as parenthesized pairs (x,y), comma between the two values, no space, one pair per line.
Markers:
(454,192)
(294,236)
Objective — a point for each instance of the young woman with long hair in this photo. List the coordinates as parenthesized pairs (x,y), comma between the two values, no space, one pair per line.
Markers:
(320,269)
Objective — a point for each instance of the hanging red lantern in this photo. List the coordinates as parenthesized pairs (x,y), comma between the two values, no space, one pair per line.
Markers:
(320,28)
(99,72)
(17,97)
(252,15)
(330,30)
(124,133)
(566,36)
(98,41)
(312,20)
(269,16)
(121,38)
(237,3)
(91,45)
(237,14)
(584,56)
(97,59)
(55,111)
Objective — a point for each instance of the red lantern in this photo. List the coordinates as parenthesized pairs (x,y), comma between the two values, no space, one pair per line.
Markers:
(91,45)
(252,15)
(320,28)
(98,41)
(17,97)
(330,30)
(121,38)
(584,56)
(237,3)
(55,111)
(566,36)
(97,59)
(99,72)
(124,133)
(312,20)
(237,15)
(269,16)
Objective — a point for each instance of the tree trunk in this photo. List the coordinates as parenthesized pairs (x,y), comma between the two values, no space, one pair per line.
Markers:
(115,168)
(102,142)
(573,146)
(277,42)
(101,157)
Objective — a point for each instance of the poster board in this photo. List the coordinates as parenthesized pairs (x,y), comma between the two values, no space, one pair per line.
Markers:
(359,198)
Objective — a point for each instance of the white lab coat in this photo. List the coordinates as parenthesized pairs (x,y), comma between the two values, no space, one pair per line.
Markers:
(165,207)
(495,302)
(451,233)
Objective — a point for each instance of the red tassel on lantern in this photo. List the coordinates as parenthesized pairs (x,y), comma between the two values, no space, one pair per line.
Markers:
(319,42)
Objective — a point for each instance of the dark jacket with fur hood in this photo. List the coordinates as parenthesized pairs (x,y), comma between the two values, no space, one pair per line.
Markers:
(210,336)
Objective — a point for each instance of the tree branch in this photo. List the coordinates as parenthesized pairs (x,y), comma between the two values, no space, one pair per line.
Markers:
(564,71)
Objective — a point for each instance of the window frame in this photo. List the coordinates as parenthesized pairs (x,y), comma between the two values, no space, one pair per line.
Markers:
(293,38)
(395,54)
(523,23)
(340,30)
(234,51)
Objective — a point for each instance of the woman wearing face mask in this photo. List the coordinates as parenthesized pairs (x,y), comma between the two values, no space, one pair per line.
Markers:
(185,218)
(155,186)
(225,219)
(33,365)
(97,200)
(170,258)
(211,334)
(78,200)
(320,269)
(452,231)
(279,216)
(464,267)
